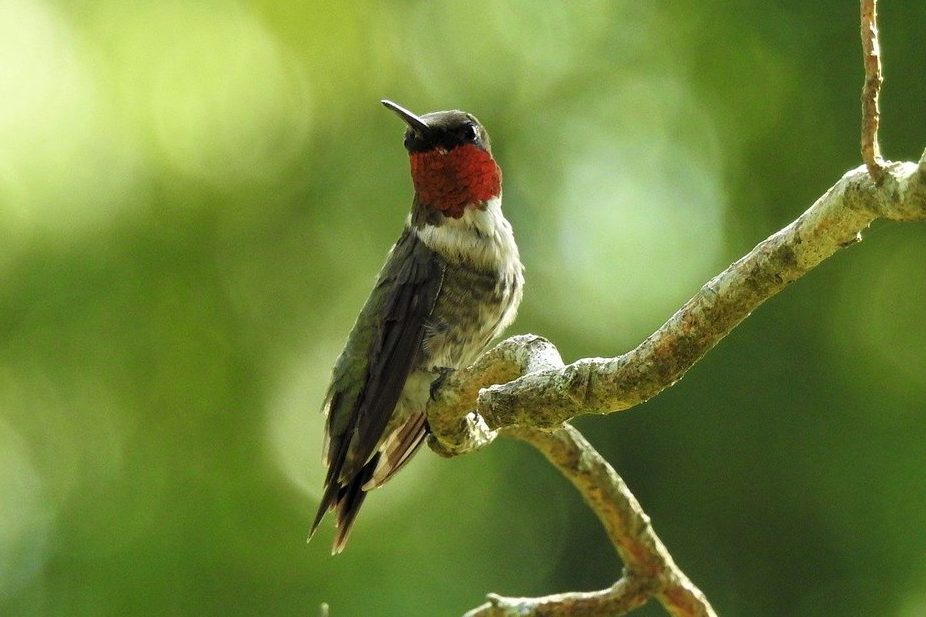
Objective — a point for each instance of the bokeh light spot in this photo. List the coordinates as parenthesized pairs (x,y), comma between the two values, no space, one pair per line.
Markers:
(54,120)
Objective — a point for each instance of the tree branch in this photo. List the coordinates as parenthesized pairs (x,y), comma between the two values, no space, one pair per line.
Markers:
(454,428)
(548,397)
(649,568)
(521,388)
(646,559)
(541,394)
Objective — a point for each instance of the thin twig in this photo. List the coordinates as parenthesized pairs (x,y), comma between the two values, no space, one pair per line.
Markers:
(871,90)
(619,599)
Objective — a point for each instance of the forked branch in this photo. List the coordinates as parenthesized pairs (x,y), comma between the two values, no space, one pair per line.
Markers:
(521,388)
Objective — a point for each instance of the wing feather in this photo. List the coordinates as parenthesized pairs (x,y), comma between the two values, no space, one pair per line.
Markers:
(382,349)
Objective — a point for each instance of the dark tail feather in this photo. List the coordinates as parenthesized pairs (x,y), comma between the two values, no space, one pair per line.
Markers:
(332,487)
(345,500)
(329,500)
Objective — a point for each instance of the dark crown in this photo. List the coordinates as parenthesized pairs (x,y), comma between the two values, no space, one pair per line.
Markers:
(448,130)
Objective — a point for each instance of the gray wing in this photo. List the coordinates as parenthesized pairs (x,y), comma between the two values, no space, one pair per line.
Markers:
(382,349)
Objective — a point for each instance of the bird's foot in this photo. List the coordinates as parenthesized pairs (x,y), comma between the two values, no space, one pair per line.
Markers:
(442,374)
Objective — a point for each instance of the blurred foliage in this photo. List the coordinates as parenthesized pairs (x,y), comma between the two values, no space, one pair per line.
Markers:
(195,197)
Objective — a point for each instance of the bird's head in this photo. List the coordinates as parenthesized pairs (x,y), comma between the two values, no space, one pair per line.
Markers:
(451,160)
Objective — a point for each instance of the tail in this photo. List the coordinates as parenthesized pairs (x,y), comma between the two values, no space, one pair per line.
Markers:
(345,500)
(344,493)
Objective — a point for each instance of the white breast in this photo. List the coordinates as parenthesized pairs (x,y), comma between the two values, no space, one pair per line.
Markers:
(482,238)
(467,318)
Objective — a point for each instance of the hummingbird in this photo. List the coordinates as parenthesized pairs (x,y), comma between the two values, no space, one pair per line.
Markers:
(451,283)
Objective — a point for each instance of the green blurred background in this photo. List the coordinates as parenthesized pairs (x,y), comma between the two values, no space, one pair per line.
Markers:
(196,196)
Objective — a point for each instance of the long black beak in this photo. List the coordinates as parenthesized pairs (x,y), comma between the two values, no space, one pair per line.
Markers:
(408,117)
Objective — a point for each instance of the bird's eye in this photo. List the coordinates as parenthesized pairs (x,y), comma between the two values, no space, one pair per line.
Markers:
(469,132)
(411,139)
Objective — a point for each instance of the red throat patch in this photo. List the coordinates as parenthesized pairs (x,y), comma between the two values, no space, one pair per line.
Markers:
(449,180)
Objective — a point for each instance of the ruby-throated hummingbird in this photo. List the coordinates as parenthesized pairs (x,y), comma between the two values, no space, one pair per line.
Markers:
(451,283)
